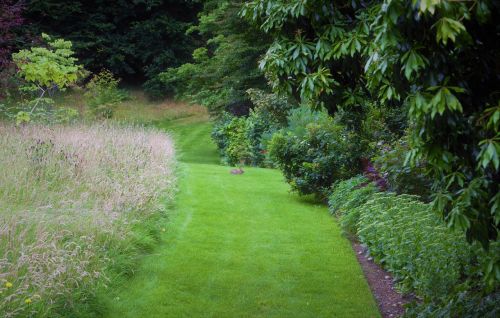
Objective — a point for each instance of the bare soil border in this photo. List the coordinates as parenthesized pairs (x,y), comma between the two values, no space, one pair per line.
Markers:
(389,301)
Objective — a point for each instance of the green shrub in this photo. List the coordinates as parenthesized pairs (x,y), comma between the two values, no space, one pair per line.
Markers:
(470,304)
(245,138)
(402,178)
(103,94)
(412,242)
(427,258)
(268,116)
(65,115)
(313,152)
(346,199)
(229,134)
(258,132)
(218,133)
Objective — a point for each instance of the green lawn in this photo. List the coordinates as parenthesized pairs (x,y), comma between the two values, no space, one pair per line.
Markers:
(243,246)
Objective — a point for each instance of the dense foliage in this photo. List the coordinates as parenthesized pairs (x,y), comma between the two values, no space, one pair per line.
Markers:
(401,178)
(346,198)
(314,151)
(244,140)
(229,133)
(135,40)
(438,59)
(268,115)
(10,18)
(225,66)
(414,244)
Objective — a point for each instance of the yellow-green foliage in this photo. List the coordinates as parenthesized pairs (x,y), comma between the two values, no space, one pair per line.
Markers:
(48,66)
(103,95)
(44,70)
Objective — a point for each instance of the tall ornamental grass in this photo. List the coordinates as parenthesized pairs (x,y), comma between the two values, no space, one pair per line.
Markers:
(77,205)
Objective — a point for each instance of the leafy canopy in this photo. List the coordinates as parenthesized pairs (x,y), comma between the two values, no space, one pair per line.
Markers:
(225,66)
(135,40)
(436,59)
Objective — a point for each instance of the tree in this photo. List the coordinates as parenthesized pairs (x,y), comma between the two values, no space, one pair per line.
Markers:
(226,65)
(44,70)
(135,40)
(439,59)
(316,55)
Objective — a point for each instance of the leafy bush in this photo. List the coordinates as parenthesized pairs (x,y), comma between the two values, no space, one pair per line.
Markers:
(65,115)
(346,199)
(415,245)
(229,133)
(402,178)
(273,107)
(103,94)
(313,152)
(268,115)
(245,138)
(218,132)
(426,257)
(468,303)
(258,132)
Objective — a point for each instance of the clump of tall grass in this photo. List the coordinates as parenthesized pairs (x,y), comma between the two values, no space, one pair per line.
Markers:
(72,200)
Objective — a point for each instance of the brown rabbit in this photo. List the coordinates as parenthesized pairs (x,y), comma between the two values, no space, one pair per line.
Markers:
(237,171)
(240,169)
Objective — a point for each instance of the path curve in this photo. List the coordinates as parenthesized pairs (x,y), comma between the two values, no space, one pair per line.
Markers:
(243,246)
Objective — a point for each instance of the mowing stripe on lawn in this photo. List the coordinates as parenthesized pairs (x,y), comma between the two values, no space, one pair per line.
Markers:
(243,246)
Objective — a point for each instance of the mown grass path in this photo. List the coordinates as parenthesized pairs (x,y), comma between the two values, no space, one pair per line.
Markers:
(243,246)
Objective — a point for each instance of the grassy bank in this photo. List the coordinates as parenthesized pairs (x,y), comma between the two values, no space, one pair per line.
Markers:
(77,205)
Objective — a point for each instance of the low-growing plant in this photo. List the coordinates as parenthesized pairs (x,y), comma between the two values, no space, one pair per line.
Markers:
(314,151)
(103,95)
(413,243)
(346,199)
(427,258)
(466,303)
